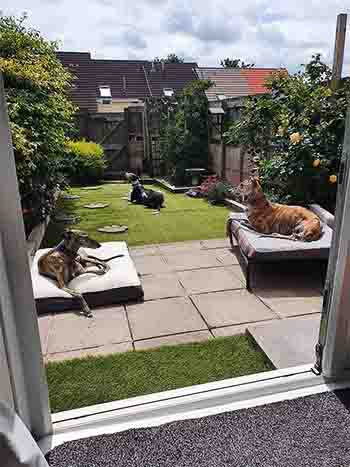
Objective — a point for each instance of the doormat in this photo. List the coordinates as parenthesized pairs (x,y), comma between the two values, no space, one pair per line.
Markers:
(308,432)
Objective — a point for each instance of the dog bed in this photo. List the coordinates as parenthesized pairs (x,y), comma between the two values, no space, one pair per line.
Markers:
(254,248)
(119,285)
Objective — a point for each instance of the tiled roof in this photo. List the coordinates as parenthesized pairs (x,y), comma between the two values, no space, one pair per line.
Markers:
(236,82)
(135,79)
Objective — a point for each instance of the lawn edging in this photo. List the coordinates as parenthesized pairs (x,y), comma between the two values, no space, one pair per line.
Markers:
(174,189)
(235,205)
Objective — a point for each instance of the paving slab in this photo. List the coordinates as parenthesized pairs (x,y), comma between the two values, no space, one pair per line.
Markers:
(94,352)
(70,331)
(162,286)
(192,260)
(231,307)
(209,280)
(144,251)
(216,243)
(287,302)
(237,329)
(158,318)
(179,247)
(288,342)
(226,257)
(175,339)
(151,265)
(237,271)
(44,323)
(229,330)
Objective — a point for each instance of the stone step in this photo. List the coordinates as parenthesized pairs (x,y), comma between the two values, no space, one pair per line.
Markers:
(288,342)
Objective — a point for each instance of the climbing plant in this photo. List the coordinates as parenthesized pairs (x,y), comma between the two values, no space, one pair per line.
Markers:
(184,130)
(295,134)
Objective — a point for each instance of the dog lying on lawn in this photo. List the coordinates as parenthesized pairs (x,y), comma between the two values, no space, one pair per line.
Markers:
(279,220)
(63,263)
(149,198)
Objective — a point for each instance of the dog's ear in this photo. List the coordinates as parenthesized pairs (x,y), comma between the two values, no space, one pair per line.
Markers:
(255,181)
(66,234)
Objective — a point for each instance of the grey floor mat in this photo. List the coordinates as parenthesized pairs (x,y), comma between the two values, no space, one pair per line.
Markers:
(310,431)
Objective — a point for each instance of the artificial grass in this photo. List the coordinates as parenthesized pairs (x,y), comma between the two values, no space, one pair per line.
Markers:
(94,380)
(182,219)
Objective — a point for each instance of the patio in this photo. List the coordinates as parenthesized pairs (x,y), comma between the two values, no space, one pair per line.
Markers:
(195,291)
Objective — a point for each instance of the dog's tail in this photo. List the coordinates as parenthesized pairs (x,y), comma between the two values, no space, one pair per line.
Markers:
(107,259)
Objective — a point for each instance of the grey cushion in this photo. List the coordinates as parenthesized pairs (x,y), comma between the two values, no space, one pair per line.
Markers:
(259,248)
(323,214)
(120,284)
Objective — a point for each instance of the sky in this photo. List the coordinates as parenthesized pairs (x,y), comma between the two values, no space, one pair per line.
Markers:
(269,33)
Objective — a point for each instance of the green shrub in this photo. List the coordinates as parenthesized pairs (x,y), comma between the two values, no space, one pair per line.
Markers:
(219,192)
(85,162)
(41,116)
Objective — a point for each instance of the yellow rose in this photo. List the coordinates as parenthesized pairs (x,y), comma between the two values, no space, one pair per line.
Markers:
(295,138)
(280,131)
(332,179)
(316,163)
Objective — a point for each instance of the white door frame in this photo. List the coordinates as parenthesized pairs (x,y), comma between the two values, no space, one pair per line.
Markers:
(20,331)
(333,348)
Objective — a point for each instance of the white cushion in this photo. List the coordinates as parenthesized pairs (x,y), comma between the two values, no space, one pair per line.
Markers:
(122,280)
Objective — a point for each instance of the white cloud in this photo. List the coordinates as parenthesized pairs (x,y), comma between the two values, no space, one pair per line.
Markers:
(267,32)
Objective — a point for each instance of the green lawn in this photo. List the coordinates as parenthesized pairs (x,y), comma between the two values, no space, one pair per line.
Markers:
(182,219)
(93,380)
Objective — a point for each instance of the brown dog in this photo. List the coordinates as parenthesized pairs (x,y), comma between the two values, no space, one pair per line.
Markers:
(279,220)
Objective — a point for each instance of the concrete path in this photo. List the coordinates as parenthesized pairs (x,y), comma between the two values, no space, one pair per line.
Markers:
(194,291)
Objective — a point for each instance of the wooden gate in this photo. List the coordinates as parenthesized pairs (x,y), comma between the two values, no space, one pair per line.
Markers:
(111,131)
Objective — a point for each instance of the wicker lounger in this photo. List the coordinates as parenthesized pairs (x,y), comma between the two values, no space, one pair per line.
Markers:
(253,249)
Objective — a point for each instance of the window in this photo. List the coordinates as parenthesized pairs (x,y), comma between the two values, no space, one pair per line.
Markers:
(105,91)
(106,101)
(168,92)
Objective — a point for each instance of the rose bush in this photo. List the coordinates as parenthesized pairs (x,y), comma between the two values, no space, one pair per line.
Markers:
(295,135)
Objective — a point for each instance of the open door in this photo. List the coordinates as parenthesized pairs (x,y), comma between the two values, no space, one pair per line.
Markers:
(333,347)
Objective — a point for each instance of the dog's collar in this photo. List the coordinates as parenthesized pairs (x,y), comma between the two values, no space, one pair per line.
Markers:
(61,247)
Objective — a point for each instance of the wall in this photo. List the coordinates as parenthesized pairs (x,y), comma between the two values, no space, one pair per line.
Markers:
(115,106)
(235,162)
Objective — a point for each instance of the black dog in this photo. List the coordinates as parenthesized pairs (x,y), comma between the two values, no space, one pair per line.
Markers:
(139,195)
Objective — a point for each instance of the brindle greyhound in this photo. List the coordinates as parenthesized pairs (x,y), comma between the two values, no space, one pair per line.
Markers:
(63,263)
